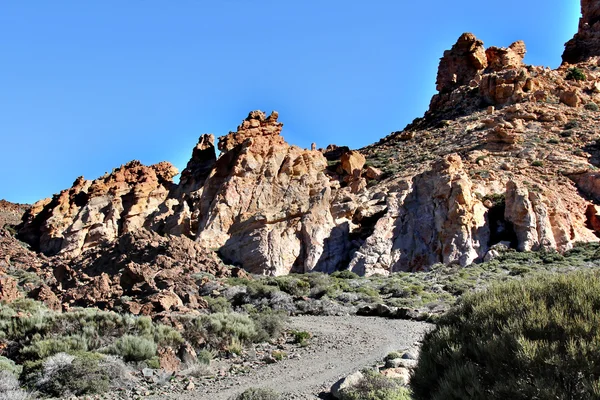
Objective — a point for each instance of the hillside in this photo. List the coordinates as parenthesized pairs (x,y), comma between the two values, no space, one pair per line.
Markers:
(506,154)
(499,179)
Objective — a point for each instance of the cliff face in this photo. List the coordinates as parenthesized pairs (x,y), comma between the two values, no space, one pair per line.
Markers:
(506,154)
(586,42)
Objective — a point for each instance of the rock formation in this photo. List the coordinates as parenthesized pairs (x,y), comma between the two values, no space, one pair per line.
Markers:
(266,203)
(93,212)
(506,154)
(432,218)
(586,42)
(461,64)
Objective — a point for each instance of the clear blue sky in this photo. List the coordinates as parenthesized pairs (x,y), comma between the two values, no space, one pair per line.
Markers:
(86,86)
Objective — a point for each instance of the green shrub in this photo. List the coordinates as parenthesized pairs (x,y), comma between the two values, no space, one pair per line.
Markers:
(268,324)
(64,375)
(218,329)
(320,284)
(8,365)
(535,338)
(572,124)
(345,274)
(575,74)
(301,337)
(591,107)
(497,199)
(374,386)
(257,289)
(167,336)
(41,349)
(537,163)
(218,304)
(205,357)
(133,348)
(257,394)
(278,355)
(292,285)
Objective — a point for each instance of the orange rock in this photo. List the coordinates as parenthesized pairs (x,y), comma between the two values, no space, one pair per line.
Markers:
(9,290)
(352,161)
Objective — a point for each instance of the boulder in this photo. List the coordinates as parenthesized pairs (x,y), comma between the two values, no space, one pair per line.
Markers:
(347,382)
(352,162)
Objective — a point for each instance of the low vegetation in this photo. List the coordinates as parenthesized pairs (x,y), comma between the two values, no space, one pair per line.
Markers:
(90,351)
(374,386)
(575,74)
(425,295)
(257,394)
(86,351)
(529,339)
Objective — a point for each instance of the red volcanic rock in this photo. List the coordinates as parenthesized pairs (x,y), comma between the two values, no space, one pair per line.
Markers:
(462,63)
(9,290)
(98,211)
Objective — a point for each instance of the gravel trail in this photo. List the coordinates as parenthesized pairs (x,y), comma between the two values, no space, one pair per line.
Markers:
(339,346)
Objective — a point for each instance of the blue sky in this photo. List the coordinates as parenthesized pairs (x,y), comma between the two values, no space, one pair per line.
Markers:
(86,86)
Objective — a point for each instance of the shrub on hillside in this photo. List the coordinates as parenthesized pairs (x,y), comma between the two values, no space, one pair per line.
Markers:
(374,386)
(9,387)
(531,339)
(134,348)
(268,324)
(257,394)
(575,74)
(64,375)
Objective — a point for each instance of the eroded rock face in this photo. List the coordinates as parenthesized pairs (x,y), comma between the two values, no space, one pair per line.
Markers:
(543,219)
(266,203)
(178,215)
(98,211)
(432,218)
(499,58)
(586,42)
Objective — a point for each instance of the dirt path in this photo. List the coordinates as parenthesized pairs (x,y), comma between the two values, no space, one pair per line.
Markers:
(340,346)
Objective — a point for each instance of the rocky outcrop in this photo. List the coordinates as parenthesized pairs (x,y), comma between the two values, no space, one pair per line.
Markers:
(9,290)
(461,64)
(93,212)
(500,58)
(432,218)
(266,204)
(469,74)
(141,273)
(471,77)
(179,214)
(586,42)
(544,219)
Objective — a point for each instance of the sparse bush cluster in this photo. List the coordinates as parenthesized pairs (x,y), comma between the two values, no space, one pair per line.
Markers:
(257,394)
(229,331)
(575,74)
(90,351)
(533,338)
(375,386)
(79,352)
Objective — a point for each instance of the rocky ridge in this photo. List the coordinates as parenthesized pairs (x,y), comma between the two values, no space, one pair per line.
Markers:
(506,153)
